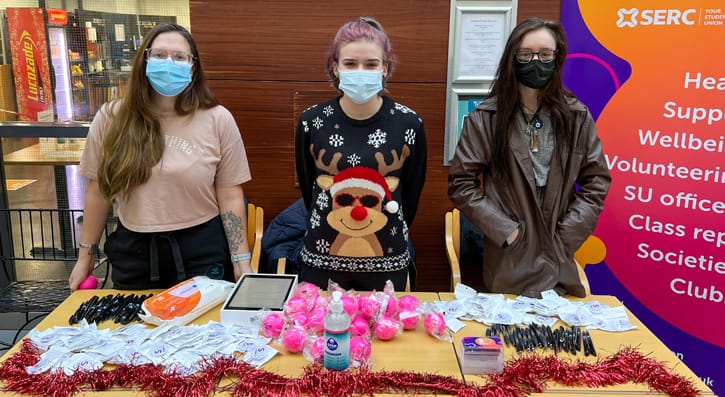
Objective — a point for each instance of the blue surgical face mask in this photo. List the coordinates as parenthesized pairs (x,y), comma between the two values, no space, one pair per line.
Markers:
(168,78)
(361,85)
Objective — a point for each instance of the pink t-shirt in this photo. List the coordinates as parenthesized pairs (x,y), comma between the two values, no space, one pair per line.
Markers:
(203,150)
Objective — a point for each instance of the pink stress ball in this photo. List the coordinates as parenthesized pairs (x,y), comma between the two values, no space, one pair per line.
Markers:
(320,302)
(295,304)
(408,302)
(308,291)
(360,326)
(360,349)
(349,304)
(90,282)
(386,328)
(300,318)
(316,320)
(272,325)
(435,324)
(294,339)
(369,306)
(318,349)
(409,319)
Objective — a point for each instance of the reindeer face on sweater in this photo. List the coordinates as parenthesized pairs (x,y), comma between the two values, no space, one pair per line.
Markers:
(357,212)
(357,209)
(360,199)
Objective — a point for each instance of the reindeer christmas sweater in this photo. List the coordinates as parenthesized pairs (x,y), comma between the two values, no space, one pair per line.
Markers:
(361,181)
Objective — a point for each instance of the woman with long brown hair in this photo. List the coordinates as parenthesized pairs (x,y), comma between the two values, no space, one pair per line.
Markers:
(172,159)
(532,142)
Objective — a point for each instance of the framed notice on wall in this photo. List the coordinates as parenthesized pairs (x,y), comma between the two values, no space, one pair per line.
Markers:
(476,39)
(480,35)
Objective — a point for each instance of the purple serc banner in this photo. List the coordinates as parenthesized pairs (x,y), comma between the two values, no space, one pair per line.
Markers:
(653,75)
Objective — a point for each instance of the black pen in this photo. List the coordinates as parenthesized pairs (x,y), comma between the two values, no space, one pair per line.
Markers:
(578,343)
(83,310)
(585,337)
(75,318)
(127,312)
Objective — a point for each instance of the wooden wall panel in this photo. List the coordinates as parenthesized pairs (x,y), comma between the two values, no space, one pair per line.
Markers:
(549,9)
(259,53)
(288,40)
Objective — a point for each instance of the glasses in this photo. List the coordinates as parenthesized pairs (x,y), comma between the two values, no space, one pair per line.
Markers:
(347,199)
(160,55)
(526,56)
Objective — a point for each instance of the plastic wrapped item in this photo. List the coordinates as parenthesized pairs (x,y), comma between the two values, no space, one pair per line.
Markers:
(296,304)
(387,328)
(185,301)
(482,355)
(372,306)
(435,325)
(294,338)
(308,291)
(408,302)
(360,326)
(409,319)
(314,352)
(360,351)
(409,311)
(316,321)
(391,309)
(272,325)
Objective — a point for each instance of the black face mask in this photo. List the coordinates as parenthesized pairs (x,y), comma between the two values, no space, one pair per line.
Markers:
(534,74)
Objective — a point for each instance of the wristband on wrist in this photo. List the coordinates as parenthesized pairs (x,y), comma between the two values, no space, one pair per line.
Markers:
(92,248)
(241,257)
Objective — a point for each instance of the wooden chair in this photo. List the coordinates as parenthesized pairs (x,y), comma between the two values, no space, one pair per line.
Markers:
(453,250)
(255,230)
(281,265)
(453,244)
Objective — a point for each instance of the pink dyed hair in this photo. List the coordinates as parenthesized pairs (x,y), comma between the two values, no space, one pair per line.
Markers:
(365,28)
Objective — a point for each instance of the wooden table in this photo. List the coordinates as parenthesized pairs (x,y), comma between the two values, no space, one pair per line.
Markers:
(17,184)
(416,351)
(606,344)
(413,350)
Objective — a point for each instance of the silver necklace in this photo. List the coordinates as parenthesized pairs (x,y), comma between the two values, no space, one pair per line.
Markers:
(532,128)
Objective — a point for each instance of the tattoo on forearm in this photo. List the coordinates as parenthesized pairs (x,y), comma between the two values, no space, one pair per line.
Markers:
(234,230)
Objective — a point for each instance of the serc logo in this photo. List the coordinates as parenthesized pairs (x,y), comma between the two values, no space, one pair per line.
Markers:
(633,17)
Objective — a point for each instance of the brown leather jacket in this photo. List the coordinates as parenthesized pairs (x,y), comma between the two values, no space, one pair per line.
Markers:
(541,258)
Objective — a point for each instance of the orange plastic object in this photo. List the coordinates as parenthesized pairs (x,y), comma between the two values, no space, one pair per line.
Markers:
(176,301)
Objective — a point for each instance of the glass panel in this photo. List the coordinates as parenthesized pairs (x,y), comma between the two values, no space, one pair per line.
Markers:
(82,57)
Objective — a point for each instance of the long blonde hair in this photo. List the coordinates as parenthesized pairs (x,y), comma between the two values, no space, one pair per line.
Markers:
(133,143)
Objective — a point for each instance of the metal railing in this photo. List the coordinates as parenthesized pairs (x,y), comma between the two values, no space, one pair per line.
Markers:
(39,238)
(43,235)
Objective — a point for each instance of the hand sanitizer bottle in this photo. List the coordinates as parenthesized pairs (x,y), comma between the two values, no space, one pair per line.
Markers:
(337,335)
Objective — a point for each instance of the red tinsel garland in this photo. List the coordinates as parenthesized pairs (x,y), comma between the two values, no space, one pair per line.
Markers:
(520,377)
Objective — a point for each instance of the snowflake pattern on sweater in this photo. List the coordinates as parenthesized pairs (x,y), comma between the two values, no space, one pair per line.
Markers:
(361,181)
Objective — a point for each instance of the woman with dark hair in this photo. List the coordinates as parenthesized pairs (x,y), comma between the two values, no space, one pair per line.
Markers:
(172,159)
(361,164)
(531,142)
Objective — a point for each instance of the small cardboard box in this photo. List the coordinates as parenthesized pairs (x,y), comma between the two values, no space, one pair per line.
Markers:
(482,355)
(256,294)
